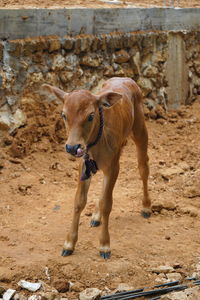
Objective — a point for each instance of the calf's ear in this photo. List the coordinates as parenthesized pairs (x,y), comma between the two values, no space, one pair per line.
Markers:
(109,98)
(56,91)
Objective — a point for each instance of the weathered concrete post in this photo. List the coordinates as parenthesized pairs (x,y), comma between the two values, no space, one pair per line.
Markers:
(176,71)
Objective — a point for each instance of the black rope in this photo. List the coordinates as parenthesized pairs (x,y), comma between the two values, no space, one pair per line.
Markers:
(99,134)
(90,164)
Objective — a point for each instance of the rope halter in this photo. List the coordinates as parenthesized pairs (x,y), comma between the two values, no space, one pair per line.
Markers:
(90,165)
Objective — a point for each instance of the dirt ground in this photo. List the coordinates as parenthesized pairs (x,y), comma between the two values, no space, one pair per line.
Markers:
(96,3)
(38,182)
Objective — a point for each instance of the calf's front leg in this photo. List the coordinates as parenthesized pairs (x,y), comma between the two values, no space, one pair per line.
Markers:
(79,204)
(105,207)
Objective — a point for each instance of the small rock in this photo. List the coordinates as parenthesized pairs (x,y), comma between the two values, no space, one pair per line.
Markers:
(174,276)
(56,166)
(196,275)
(145,85)
(192,191)
(48,288)
(170,172)
(16,297)
(183,165)
(9,294)
(15,175)
(160,121)
(123,287)
(162,269)
(192,211)
(150,103)
(90,294)
(177,265)
(54,45)
(121,56)
(25,190)
(5,120)
(48,295)
(76,287)
(11,100)
(169,205)
(160,112)
(106,291)
(42,180)
(161,278)
(150,71)
(58,62)
(34,297)
(198,267)
(19,119)
(30,286)
(91,60)
(157,207)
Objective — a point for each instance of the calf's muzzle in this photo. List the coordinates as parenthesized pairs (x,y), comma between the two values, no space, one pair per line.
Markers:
(73,149)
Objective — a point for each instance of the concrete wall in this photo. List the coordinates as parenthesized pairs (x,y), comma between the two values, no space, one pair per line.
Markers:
(23,23)
(177,71)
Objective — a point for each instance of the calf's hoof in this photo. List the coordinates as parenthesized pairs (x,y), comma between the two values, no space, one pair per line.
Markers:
(94,223)
(66,252)
(105,255)
(146,214)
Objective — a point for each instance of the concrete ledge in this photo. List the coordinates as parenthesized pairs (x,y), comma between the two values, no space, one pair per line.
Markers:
(22,23)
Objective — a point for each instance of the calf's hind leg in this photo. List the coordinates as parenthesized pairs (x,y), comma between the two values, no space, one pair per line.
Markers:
(141,140)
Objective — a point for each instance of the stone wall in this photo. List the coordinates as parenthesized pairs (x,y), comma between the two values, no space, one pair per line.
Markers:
(85,60)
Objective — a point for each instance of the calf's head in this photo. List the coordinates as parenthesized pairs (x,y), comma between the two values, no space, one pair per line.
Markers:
(81,116)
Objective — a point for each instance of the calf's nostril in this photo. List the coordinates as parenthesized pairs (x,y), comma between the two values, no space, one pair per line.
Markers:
(68,148)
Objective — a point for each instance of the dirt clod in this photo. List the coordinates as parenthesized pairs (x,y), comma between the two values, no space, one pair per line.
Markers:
(61,285)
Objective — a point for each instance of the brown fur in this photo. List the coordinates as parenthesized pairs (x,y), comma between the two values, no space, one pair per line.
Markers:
(123,118)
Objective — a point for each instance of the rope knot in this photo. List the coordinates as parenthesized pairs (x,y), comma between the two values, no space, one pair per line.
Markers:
(90,167)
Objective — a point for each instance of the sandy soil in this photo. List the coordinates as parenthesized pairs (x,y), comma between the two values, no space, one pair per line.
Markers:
(38,183)
(95,3)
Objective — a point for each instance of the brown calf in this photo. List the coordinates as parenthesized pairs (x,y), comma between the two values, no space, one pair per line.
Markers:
(120,103)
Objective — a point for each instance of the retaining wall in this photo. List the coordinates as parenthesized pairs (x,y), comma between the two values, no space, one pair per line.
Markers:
(23,23)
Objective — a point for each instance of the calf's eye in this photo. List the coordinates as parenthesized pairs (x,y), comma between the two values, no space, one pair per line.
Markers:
(91,117)
(63,115)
